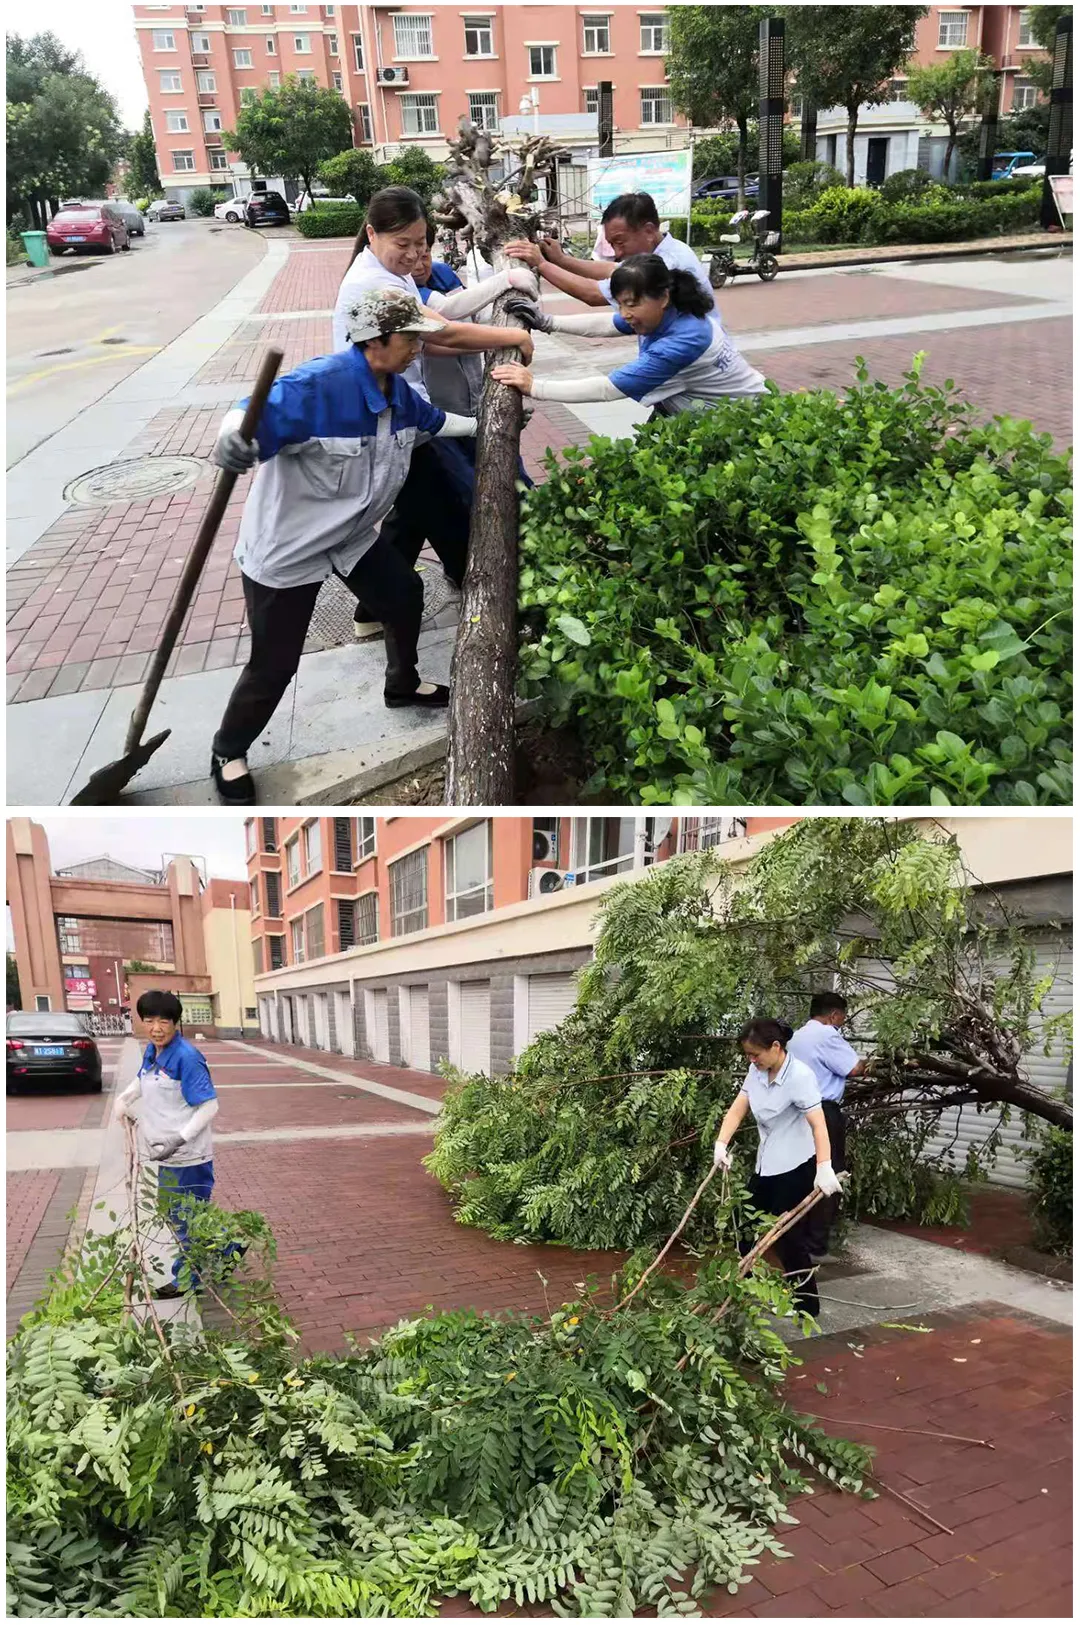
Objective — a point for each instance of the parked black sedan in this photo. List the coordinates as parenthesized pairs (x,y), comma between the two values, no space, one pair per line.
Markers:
(267,209)
(49,1047)
(724,189)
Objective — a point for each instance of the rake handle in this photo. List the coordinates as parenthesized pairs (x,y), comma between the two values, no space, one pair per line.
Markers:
(200,552)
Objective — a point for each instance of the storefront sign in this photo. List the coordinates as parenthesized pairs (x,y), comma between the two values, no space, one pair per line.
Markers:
(80,987)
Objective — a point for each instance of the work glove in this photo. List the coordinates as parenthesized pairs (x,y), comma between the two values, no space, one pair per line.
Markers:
(721,1156)
(528,313)
(522,279)
(233,453)
(162,1150)
(825,1180)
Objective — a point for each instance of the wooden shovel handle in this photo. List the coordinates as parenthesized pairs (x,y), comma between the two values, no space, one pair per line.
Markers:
(193,568)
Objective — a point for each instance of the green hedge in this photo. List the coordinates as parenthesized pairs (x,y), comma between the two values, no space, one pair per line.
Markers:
(337,220)
(862,216)
(1052,1190)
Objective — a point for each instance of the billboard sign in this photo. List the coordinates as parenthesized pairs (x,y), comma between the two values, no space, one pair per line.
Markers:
(198,1010)
(664,175)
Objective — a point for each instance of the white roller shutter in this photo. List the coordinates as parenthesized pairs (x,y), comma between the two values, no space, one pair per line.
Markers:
(321,1017)
(476,1026)
(552,995)
(380,1026)
(303,1022)
(419,1041)
(343,1022)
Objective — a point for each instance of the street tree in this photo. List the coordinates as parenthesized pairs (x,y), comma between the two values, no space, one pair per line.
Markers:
(31,61)
(14,995)
(352,174)
(142,160)
(63,130)
(1043,21)
(713,70)
(604,1127)
(413,167)
(843,56)
(952,91)
(292,130)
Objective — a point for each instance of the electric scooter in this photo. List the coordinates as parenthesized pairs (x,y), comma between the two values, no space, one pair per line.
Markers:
(724,266)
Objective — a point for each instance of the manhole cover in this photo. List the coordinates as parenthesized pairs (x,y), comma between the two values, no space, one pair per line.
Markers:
(332,619)
(131,481)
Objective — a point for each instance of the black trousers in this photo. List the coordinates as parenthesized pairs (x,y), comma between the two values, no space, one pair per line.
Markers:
(823,1216)
(779,1193)
(279,619)
(429,507)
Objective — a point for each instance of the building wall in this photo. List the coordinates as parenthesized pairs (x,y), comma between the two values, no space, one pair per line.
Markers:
(227,933)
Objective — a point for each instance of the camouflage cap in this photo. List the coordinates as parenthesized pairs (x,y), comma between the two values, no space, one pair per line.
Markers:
(378,312)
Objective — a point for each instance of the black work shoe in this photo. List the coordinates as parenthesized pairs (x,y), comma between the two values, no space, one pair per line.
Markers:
(439,699)
(169,1290)
(233,792)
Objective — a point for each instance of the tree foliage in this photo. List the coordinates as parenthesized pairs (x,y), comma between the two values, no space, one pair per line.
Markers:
(605,1126)
(1043,21)
(356,174)
(952,91)
(843,56)
(712,69)
(63,130)
(143,175)
(292,130)
(14,995)
(597,1459)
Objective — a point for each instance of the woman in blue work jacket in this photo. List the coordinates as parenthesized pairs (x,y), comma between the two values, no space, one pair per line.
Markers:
(685,360)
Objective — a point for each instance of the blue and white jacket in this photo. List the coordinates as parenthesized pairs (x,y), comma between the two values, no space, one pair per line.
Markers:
(170,1085)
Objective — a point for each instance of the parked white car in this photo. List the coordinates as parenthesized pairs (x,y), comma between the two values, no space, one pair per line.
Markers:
(232,210)
(305,202)
(1033,172)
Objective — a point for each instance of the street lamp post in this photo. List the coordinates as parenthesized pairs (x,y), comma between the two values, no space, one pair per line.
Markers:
(531,102)
(1059,139)
(771,120)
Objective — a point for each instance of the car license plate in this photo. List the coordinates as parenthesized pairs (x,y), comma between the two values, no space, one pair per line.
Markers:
(76,239)
(48,1049)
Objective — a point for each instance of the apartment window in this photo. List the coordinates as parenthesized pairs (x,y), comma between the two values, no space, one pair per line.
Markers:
(898,90)
(604,846)
(207,83)
(170,82)
(183,160)
(952,30)
(312,848)
(238,19)
(346,923)
(332,44)
(305,75)
(358,52)
(292,864)
(654,33)
(164,39)
(408,893)
(218,159)
(249,836)
(200,42)
(656,107)
(68,930)
(277,952)
(212,120)
(702,834)
(296,931)
(313,921)
(176,123)
(484,109)
(479,36)
(1025,39)
(297,9)
(1025,94)
(597,31)
(273,895)
(796,106)
(302,44)
(271,45)
(468,872)
(268,11)
(335,79)
(329,11)
(257,955)
(419,114)
(367,918)
(241,59)
(412,37)
(342,846)
(365,122)
(248,97)
(592,101)
(541,61)
(365,838)
(273,80)
(253,889)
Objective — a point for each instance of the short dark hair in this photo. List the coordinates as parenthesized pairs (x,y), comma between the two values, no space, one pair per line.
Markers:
(763,1032)
(636,208)
(827,1004)
(156,1002)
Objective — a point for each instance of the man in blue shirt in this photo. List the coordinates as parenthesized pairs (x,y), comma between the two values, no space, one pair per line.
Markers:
(822,1046)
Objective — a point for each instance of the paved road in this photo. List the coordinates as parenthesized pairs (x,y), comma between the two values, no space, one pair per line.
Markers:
(73,336)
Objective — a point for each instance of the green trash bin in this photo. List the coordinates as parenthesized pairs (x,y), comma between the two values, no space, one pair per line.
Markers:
(36,247)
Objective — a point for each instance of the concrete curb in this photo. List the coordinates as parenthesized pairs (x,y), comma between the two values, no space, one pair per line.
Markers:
(920,251)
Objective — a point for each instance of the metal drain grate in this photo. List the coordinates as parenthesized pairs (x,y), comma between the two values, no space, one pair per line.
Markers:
(134,480)
(332,621)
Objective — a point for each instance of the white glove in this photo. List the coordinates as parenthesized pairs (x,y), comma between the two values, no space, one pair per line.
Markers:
(721,1156)
(234,453)
(825,1180)
(162,1150)
(522,279)
(124,1105)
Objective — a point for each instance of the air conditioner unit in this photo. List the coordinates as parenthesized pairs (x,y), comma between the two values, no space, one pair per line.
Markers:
(545,846)
(544,881)
(393,76)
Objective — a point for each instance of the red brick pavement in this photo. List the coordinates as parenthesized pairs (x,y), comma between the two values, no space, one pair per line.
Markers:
(39,1111)
(397,1077)
(238,361)
(749,306)
(308,281)
(1000,1220)
(28,1195)
(245,1108)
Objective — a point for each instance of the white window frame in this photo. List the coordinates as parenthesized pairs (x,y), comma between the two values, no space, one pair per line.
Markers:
(296,940)
(200,44)
(267,11)
(366,840)
(250,836)
(416,102)
(1028,90)
(273,79)
(163,39)
(231,14)
(592,93)
(183,169)
(302,44)
(176,121)
(488,103)
(543,45)
(204,89)
(479,23)
(367,129)
(950,22)
(704,831)
(637,856)
(332,45)
(337,81)
(413,22)
(240,51)
(647,24)
(656,96)
(358,52)
(311,836)
(362,939)
(292,855)
(211,120)
(298,11)
(595,23)
(170,90)
(218,158)
(418,857)
(271,45)
(249,95)
(318,908)
(898,90)
(306,76)
(1024,25)
(455,896)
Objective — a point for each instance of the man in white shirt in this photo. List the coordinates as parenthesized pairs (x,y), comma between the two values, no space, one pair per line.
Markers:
(820,1044)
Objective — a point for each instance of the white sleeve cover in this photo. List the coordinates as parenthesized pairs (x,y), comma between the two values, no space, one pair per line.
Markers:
(465,302)
(457,427)
(597,388)
(126,1097)
(600,324)
(199,1118)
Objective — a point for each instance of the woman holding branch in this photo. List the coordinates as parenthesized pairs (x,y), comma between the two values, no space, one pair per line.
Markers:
(793,1156)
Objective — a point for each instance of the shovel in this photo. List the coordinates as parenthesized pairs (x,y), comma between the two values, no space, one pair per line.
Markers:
(104,787)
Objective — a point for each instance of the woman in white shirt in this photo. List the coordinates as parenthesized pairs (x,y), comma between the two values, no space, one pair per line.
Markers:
(793,1156)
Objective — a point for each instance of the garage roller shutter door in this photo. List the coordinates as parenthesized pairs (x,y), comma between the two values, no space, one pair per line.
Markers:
(419,1044)
(476,1026)
(552,996)
(380,1036)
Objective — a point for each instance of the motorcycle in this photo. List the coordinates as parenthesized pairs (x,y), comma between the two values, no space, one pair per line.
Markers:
(723,264)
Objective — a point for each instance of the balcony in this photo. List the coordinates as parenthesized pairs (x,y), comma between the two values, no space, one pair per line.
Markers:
(200,59)
(207,98)
(214,138)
